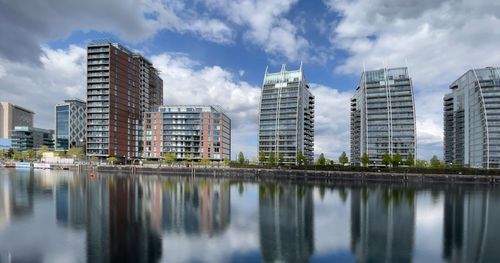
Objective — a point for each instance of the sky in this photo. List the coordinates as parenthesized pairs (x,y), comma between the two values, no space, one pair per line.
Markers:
(216,52)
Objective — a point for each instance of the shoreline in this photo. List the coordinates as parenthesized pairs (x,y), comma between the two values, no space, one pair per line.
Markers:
(299,175)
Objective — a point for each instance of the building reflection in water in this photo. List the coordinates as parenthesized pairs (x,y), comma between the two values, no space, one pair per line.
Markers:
(196,207)
(71,202)
(122,224)
(471,232)
(286,215)
(16,195)
(382,224)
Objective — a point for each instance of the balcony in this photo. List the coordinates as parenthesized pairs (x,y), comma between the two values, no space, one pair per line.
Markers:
(98,62)
(94,56)
(97,80)
(98,50)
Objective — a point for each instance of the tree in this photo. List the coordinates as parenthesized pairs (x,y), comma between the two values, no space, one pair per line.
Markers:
(226,161)
(365,160)
(281,158)
(29,154)
(262,157)
(386,159)
(272,158)
(75,152)
(17,155)
(41,151)
(112,159)
(241,158)
(422,163)
(343,159)
(396,160)
(205,161)
(300,158)
(321,159)
(410,160)
(435,162)
(170,157)
(188,157)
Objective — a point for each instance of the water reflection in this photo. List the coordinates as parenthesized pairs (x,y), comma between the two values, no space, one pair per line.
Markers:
(471,231)
(58,216)
(382,224)
(286,218)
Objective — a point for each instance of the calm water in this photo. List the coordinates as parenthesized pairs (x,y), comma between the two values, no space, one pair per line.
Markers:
(59,216)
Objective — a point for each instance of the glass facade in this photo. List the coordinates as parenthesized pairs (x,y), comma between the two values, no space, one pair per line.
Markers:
(472,119)
(62,127)
(383,116)
(286,117)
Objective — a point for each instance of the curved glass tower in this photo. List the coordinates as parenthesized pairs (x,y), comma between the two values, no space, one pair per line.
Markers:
(383,116)
(472,119)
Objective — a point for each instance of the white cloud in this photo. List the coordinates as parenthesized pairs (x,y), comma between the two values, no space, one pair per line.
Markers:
(38,88)
(440,40)
(266,26)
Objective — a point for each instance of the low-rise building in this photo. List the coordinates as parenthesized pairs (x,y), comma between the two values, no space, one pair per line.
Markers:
(24,138)
(11,116)
(70,124)
(193,132)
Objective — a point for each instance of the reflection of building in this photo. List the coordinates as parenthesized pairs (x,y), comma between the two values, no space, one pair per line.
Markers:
(471,226)
(195,131)
(71,203)
(24,137)
(382,224)
(196,208)
(119,227)
(70,124)
(383,115)
(16,194)
(11,116)
(286,115)
(286,216)
(471,119)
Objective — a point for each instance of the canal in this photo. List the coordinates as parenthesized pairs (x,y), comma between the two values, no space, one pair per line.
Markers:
(64,216)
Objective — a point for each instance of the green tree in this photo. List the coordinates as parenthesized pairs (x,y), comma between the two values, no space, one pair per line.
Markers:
(281,158)
(321,159)
(300,158)
(262,157)
(75,152)
(17,155)
(188,157)
(365,160)
(170,157)
(41,151)
(226,161)
(112,159)
(410,160)
(205,161)
(386,159)
(241,158)
(343,159)
(396,160)
(29,154)
(3,154)
(272,158)
(435,162)
(422,163)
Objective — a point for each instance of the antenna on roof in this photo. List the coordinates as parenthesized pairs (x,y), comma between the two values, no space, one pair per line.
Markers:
(300,66)
(266,70)
(283,67)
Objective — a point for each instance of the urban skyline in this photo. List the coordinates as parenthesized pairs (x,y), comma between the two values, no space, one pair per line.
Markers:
(229,49)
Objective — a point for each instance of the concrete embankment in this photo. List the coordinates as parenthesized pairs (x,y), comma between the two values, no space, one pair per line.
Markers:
(298,175)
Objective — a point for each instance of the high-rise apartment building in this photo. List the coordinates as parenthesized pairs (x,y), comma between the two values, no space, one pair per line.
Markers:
(472,119)
(383,116)
(70,124)
(11,116)
(286,116)
(120,86)
(193,132)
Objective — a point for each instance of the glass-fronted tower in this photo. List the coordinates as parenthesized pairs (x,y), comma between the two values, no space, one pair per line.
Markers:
(383,116)
(70,124)
(472,119)
(286,116)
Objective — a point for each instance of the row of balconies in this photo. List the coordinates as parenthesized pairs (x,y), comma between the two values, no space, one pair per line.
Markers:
(98,62)
(91,69)
(97,80)
(97,98)
(96,56)
(98,50)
